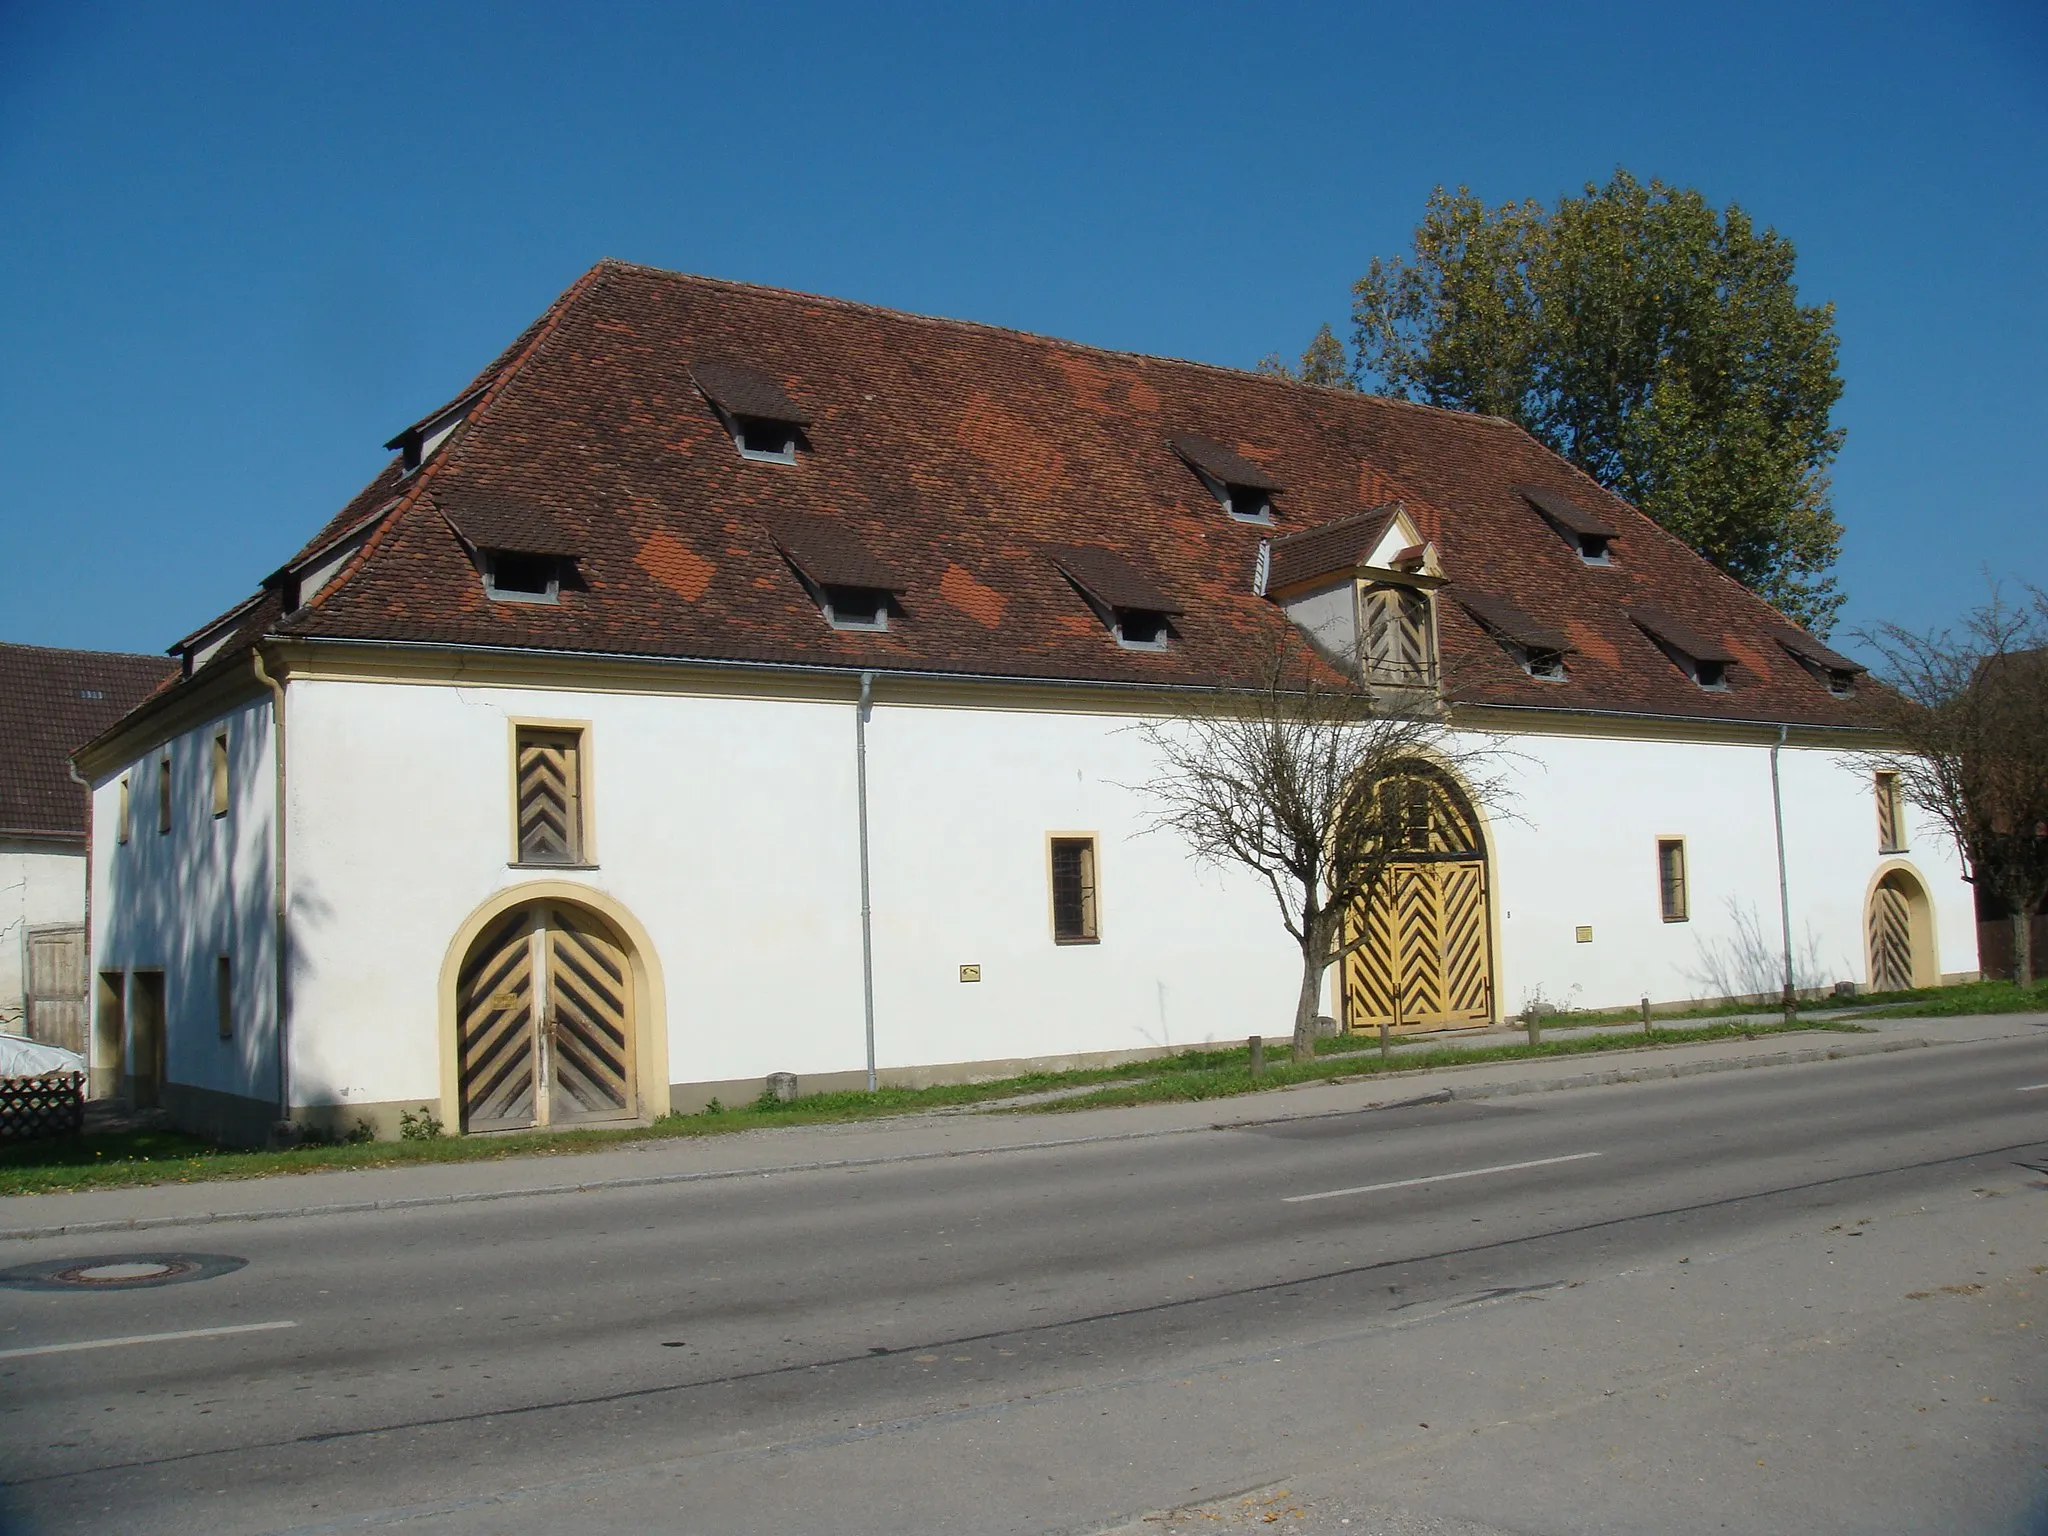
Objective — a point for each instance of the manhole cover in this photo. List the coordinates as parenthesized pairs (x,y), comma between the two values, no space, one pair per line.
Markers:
(119,1271)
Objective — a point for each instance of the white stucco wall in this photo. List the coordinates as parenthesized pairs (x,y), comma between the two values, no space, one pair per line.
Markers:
(177,901)
(1579,848)
(726,827)
(41,886)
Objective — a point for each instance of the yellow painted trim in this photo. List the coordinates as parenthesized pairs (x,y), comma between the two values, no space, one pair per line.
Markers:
(338,662)
(650,998)
(1921,928)
(586,779)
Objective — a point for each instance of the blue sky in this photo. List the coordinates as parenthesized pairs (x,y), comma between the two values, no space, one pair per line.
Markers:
(244,244)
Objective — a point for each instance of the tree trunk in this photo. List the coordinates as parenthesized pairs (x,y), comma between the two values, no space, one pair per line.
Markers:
(2023,944)
(1305,1006)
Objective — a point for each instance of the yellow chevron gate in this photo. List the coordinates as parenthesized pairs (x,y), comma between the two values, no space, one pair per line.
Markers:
(1428,924)
(544,1023)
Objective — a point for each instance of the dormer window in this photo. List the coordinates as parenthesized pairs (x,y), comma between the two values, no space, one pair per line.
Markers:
(1587,535)
(1703,660)
(853,588)
(1397,640)
(1242,488)
(1127,601)
(854,607)
(764,423)
(511,576)
(1537,648)
(419,442)
(759,438)
(1831,669)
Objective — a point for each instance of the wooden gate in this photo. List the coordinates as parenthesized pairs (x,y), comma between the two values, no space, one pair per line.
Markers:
(1428,923)
(56,987)
(1891,936)
(544,1023)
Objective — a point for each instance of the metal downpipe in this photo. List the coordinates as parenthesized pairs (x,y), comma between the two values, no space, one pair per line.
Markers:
(867,926)
(1784,888)
(279,914)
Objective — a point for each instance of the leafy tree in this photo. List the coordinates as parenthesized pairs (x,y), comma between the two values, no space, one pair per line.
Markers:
(1322,363)
(1289,774)
(1658,344)
(1970,717)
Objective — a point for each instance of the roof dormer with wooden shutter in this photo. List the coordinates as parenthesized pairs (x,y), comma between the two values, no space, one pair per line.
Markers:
(1360,589)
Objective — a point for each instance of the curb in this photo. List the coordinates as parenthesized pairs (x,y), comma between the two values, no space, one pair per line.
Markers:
(1636,1074)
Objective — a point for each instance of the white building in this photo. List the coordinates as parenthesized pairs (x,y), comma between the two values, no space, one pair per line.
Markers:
(539,786)
(51,702)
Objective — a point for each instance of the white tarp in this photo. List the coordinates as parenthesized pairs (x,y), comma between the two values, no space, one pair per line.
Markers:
(22,1057)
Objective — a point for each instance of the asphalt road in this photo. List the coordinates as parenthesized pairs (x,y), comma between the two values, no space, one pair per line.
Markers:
(1803,1298)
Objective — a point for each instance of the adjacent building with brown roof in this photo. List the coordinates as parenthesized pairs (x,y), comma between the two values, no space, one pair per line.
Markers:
(51,703)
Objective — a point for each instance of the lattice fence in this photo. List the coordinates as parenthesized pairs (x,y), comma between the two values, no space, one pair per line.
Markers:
(41,1106)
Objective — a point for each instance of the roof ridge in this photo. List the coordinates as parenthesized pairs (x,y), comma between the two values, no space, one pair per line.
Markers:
(393,511)
(863,306)
(155,658)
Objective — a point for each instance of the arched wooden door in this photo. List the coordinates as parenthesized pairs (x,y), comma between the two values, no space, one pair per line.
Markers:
(1428,925)
(1890,921)
(544,1019)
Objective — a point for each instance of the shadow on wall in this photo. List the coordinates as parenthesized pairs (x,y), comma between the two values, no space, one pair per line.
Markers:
(1744,962)
(178,903)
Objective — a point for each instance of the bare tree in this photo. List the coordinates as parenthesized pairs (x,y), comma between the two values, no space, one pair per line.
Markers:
(1970,720)
(1304,776)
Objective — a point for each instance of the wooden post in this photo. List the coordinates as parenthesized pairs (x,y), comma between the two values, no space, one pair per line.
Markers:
(1646,1015)
(1258,1045)
(1533,1020)
(1386,1041)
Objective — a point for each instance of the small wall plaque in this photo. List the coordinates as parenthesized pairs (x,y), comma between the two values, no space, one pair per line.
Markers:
(970,973)
(503,1000)
(1584,935)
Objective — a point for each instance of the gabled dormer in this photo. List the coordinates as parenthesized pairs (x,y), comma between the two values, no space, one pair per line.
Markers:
(521,550)
(1361,590)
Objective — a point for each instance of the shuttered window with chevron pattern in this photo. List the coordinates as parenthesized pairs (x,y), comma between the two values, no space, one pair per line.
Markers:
(549,776)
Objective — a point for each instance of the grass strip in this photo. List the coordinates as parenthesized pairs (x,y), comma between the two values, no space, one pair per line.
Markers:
(123,1159)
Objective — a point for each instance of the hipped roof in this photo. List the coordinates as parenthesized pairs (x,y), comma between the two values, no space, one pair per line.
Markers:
(959,456)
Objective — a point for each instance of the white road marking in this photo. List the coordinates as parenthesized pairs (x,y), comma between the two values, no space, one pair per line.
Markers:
(2034,1087)
(141,1338)
(1437,1178)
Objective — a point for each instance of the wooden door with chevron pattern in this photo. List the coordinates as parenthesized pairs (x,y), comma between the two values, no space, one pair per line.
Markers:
(1891,936)
(1428,924)
(544,1023)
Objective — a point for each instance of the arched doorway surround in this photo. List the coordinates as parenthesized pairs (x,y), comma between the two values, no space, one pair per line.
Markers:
(552,1013)
(1428,926)
(1900,948)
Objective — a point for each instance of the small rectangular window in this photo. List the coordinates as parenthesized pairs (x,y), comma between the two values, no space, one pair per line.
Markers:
(220,773)
(121,813)
(856,607)
(1671,879)
(163,794)
(1399,648)
(518,578)
(1891,815)
(224,995)
(759,437)
(549,774)
(1073,891)
(1142,629)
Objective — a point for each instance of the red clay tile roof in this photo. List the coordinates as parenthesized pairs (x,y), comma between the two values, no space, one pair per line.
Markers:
(1502,616)
(1803,645)
(1683,636)
(959,456)
(51,703)
(1112,580)
(747,392)
(1564,510)
(491,521)
(1222,464)
(828,553)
